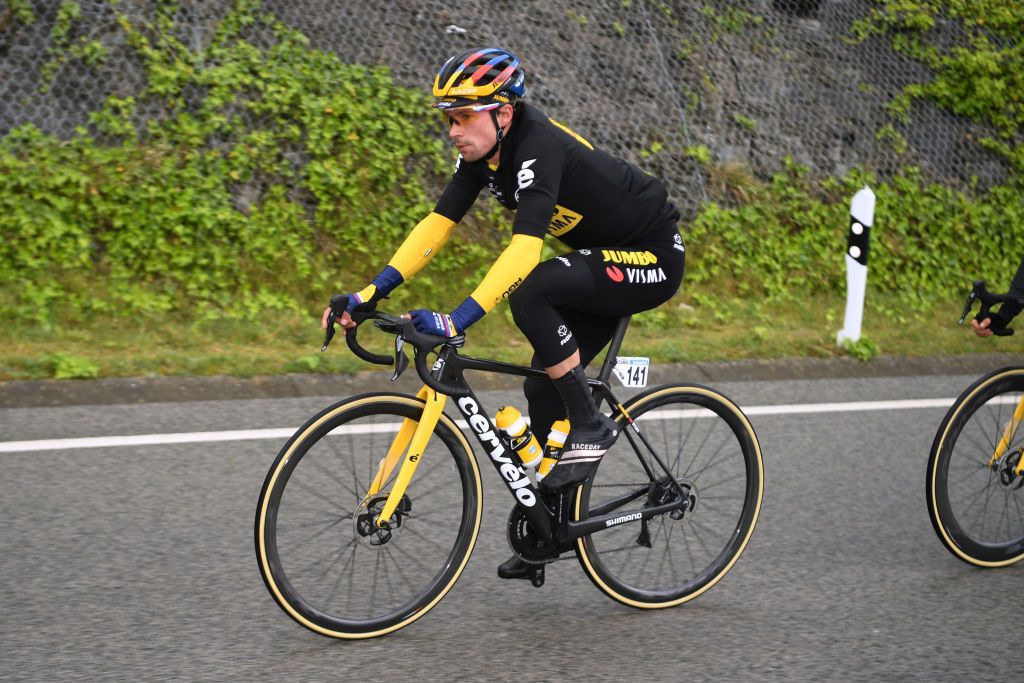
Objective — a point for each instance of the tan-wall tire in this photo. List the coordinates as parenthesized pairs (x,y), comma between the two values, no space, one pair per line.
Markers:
(754,492)
(368,404)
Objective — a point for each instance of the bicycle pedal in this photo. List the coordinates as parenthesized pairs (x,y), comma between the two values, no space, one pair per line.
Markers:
(537,576)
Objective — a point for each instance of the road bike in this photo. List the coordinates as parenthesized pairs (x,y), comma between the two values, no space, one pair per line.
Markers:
(369,513)
(975,483)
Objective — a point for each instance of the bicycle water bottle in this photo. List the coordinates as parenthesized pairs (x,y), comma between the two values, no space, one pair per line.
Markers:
(524,443)
(553,448)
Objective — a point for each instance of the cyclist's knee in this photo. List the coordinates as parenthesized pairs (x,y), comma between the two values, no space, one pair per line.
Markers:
(523,301)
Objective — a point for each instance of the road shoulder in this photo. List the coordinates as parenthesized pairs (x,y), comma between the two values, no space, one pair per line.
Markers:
(53,393)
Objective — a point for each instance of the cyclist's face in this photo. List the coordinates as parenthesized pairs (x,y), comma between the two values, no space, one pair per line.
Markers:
(473,132)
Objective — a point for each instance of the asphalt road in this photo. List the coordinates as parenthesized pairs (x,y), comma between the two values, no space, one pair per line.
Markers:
(137,563)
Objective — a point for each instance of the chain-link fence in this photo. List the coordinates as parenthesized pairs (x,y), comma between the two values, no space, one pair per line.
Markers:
(688,90)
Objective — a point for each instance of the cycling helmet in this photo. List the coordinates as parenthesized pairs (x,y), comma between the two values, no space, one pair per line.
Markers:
(484,78)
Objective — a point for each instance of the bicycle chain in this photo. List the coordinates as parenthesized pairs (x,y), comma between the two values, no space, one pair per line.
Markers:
(573,557)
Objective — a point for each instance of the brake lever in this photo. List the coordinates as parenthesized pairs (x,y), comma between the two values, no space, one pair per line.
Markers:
(967,306)
(401,360)
(338,306)
(329,334)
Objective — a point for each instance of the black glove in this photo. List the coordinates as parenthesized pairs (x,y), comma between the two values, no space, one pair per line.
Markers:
(997,322)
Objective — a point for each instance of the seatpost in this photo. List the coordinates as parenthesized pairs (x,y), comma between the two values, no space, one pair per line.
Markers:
(613,349)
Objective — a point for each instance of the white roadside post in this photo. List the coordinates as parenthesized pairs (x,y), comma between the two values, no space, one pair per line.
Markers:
(862,215)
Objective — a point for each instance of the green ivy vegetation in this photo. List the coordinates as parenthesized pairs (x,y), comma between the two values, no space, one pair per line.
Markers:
(243,178)
(251,177)
(929,241)
(980,76)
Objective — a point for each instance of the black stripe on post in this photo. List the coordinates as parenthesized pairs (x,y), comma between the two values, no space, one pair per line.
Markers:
(857,241)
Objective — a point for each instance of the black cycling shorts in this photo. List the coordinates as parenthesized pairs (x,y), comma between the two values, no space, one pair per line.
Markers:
(600,283)
(574,302)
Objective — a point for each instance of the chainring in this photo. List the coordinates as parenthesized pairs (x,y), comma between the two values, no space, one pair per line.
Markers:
(527,545)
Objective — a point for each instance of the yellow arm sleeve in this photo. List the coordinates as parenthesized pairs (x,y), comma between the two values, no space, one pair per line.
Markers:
(520,257)
(425,240)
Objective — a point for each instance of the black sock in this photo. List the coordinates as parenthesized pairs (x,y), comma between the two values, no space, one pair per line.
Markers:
(578,399)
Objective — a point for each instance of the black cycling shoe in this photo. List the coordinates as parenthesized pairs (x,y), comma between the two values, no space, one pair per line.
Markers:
(582,452)
(513,568)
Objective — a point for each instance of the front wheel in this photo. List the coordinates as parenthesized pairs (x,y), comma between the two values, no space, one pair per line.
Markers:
(710,448)
(975,483)
(323,559)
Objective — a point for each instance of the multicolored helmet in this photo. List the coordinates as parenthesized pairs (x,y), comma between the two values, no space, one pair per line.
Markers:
(484,78)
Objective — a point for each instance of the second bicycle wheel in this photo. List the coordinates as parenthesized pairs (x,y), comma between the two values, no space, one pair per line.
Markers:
(321,556)
(706,442)
(975,496)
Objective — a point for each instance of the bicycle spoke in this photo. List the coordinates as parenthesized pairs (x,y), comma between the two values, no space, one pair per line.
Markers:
(411,556)
(303,525)
(346,571)
(391,576)
(701,443)
(331,446)
(423,537)
(982,453)
(696,525)
(398,568)
(697,451)
(682,441)
(373,585)
(327,528)
(982,491)
(327,499)
(712,460)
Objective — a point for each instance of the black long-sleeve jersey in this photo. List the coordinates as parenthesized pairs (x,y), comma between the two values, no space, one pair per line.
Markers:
(560,184)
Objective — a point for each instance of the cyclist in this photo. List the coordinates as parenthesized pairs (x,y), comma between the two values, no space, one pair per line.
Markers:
(628,255)
(1006,313)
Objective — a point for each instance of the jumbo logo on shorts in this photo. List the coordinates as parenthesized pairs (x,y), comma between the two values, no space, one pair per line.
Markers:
(631,258)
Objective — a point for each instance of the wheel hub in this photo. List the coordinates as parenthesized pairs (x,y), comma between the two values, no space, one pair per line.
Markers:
(663,493)
(368,533)
(1006,467)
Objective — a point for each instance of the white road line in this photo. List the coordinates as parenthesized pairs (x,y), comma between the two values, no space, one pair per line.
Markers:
(285,433)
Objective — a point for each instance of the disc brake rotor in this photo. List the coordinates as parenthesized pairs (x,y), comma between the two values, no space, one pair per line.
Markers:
(368,533)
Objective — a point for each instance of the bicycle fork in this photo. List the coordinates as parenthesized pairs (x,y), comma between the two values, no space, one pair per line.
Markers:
(1008,431)
(413,434)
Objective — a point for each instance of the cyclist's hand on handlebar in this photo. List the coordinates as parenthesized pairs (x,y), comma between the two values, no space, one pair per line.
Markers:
(981,328)
(432,322)
(987,326)
(345,320)
(350,302)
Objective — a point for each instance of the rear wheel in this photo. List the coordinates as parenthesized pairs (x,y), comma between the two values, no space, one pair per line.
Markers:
(322,557)
(710,447)
(975,500)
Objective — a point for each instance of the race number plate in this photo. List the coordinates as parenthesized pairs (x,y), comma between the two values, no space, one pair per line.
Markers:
(632,370)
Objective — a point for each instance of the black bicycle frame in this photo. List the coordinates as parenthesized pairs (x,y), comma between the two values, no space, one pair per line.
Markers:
(513,475)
